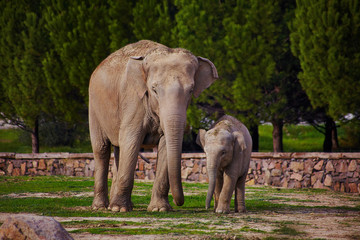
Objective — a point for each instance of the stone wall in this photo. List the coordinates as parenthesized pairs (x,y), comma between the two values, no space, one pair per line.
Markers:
(337,171)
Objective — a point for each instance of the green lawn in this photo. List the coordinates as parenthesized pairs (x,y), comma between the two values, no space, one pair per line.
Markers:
(61,196)
(9,142)
(296,138)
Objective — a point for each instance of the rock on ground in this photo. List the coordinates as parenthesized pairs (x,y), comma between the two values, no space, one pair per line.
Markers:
(25,226)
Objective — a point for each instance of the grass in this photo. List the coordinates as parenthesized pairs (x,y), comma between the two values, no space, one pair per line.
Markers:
(189,219)
(297,138)
(10,142)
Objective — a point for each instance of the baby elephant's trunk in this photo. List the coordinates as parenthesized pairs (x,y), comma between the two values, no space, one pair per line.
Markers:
(211,189)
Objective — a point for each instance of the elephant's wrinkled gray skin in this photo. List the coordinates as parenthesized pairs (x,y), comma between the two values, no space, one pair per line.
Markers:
(139,95)
(228,146)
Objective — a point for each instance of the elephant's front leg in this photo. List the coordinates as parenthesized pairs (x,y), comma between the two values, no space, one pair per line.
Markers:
(226,193)
(240,195)
(123,182)
(160,191)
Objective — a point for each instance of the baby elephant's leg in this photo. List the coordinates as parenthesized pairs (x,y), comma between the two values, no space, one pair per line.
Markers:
(240,195)
(225,195)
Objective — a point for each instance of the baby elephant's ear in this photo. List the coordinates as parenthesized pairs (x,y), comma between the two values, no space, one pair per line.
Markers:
(200,139)
(239,141)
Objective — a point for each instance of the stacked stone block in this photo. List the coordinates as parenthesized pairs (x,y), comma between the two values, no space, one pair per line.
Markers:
(337,171)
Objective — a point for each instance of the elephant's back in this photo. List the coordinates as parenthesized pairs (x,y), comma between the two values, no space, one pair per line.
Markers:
(236,125)
(119,58)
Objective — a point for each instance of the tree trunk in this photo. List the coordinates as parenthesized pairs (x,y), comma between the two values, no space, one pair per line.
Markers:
(327,146)
(278,135)
(254,130)
(334,138)
(35,137)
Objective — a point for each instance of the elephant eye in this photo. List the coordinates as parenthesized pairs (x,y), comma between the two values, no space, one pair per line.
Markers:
(223,152)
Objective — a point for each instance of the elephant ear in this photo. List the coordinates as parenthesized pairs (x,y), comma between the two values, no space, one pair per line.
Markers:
(200,139)
(205,75)
(135,75)
(239,144)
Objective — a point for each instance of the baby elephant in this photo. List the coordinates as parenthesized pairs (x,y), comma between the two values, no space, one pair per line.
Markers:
(228,147)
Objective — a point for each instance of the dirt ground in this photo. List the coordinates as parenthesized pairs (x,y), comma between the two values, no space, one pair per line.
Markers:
(335,222)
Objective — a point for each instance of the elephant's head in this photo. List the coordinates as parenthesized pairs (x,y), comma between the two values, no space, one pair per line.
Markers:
(168,78)
(220,146)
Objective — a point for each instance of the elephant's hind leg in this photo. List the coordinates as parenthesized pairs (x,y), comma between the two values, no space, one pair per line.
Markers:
(240,195)
(159,198)
(102,158)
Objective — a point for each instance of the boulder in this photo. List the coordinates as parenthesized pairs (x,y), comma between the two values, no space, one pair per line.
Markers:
(25,226)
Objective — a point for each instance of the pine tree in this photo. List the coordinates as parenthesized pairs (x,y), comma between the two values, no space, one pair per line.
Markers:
(199,29)
(23,45)
(79,36)
(119,24)
(325,37)
(261,68)
(154,20)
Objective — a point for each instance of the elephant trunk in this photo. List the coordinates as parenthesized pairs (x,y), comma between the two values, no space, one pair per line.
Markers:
(174,126)
(212,181)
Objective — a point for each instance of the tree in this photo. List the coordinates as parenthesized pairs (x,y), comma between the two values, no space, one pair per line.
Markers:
(325,37)
(199,29)
(79,38)
(120,29)
(154,20)
(23,44)
(261,68)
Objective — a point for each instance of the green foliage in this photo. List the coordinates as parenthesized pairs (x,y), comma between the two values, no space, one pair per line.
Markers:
(325,37)
(49,49)
(249,41)
(79,36)
(350,139)
(199,29)
(120,30)
(23,44)
(153,20)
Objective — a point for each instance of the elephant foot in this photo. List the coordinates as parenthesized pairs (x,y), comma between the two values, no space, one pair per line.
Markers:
(100,203)
(222,210)
(240,210)
(117,208)
(96,208)
(159,206)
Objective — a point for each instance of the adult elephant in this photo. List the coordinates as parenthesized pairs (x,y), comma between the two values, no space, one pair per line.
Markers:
(139,95)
